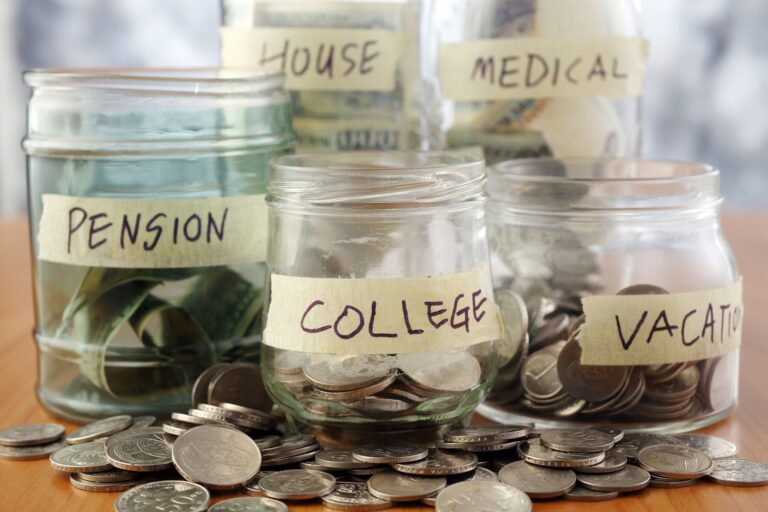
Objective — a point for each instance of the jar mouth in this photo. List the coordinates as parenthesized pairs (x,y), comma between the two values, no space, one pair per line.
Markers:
(203,81)
(373,180)
(622,184)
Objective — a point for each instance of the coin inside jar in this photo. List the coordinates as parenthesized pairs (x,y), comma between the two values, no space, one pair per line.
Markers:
(345,373)
(590,383)
(455,371)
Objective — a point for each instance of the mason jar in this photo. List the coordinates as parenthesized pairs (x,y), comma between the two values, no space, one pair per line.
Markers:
(535,78)
(380,314)
(352,66)
(620,297)
(148,224)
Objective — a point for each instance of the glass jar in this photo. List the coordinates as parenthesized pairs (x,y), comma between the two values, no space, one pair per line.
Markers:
(148,229)
(351,66)
(535,78)
(620,297)
(381,315)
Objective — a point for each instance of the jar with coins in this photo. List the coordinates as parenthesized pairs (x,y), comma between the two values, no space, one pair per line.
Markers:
(381,315)
(146,200)
(535,78)
(620,297)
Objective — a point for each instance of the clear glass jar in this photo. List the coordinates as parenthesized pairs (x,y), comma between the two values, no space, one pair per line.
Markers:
(514,77)
(360,243)
(351,65)
(616,261)
(142,186)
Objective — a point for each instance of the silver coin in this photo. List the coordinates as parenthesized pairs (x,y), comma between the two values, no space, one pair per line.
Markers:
(390,454)
(367,471)
(590,383)
(192,420)
(164,495)
(739,473)
(675,461)
(40,451)
(539,375)
(583,494)
(452,372)
(581,440)
(217,457)
(289,443)
(292,452)
(354,496)
(484,474)
(139,450)
(218,419)
(241,384)
(109,476)
(260,420)
(482,496)
(487,433)
(485,448)
(447,445)
(532,452)
(617,433)
(175,428)
(671,483)
(143,421)
(630,478)
(345,373)
(515,320)
(200,387)
(379,405)
(715,447)
(614,461)
(78,482)
(98,429)
(372,389)
(250,504)
(266,417)
(78,458)
(31,434)
(394,486)
(290,362)
(281,462)
(297,484)
(439,462)
(634,442)
(340,459)
(537,481)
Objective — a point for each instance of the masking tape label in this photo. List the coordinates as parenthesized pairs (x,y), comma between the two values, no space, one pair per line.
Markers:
(152,233)
(318,59)
(659,329)
(536,67)
(382,316)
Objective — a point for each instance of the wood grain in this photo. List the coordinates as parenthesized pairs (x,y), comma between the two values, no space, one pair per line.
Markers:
(34,486)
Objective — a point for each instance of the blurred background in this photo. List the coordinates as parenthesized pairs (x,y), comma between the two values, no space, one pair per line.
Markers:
(705,86)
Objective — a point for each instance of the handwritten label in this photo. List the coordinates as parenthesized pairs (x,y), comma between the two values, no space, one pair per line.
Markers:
(382,316)
(317,59)
(152,233)
(659,329)
(529,67)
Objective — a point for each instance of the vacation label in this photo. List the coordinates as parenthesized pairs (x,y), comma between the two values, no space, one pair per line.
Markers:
(535,67)
(317,59)
(152,233)
(658,329)
(382,316)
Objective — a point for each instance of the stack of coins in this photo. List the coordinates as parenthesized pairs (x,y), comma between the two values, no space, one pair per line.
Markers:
(541,373)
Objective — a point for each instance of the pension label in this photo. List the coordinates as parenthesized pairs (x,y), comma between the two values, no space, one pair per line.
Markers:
(659,329)
(533,67)
(152,233)
(382,315)
(318,59)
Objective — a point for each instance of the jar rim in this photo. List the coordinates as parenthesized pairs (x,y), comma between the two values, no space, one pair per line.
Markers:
(203,81)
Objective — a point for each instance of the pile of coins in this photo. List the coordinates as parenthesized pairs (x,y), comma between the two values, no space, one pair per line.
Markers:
(541,374)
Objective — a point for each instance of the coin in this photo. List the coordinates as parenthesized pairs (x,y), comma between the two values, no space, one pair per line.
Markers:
(192,420)
(354,496)
(340,459)
(110,475)
(617,433)
(265,416)
(581,440)
(372,389)
(289,443)
(390,454)
(284,461)
(98,429)
(539,375)
(630,478)
(164,495)
(484,474)
(514,317)
(250,504)
(439,462)
(297,484)
(139,450)
(482,495)
(715,447)
(378,405)
(536,481)
(675,461)
(40,451)
(739,473)
(487,433)
(671,483)
(394,486)
(78,482)
(344,373)
(31,434)
(83,457)
(217,457)
(143,421)
(175,428)
(452,372)
(614,461)
(200,387)
(590,383)
(634,442)
(643,289)
(583,494)
(532,452)
(485,447)
(229,414)
(241,384)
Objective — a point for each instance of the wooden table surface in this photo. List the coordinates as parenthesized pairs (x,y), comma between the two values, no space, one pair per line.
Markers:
(34,486)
